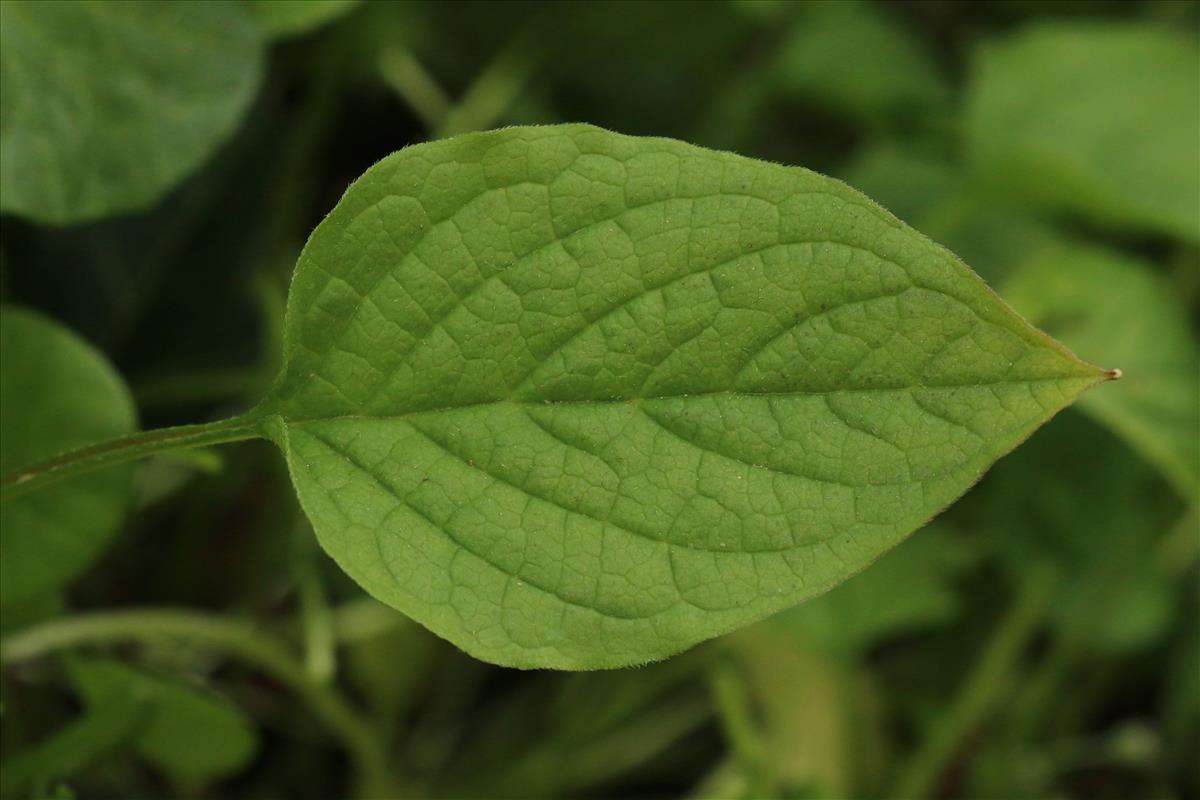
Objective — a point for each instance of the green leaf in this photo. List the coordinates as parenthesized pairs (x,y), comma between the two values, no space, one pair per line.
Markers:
(575,399)
(1100,119)
(56,393)
(104,106)
(281,19)
(1102,301)
(889,73)
(1078,498)
(190,733)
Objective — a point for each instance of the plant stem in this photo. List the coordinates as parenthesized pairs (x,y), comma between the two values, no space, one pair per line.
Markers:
(741,732)
(127,448)
(495,89)
(233,639)
(407,77)
(1042,688)
(982,690)
(320,639)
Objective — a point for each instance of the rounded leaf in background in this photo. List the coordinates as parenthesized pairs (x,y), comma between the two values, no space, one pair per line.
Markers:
(56,393)
(106,106)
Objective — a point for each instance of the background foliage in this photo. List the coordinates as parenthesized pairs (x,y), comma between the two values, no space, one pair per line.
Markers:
(1040,639)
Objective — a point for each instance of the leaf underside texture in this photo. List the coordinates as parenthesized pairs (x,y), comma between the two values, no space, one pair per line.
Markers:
(573,399)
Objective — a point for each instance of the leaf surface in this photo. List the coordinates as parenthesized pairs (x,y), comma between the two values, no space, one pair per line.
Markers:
(575,399)
(104,106)
(56,393)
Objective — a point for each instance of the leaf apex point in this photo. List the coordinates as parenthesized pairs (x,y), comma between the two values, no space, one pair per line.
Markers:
(1114,374)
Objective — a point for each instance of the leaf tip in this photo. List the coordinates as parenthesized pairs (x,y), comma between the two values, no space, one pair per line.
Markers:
(1114,374)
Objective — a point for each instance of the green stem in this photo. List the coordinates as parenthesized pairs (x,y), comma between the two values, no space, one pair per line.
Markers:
(236,640)
(407,77)
(320,640)
(741,732)
(1044,684)
(128,448)
(983,689)
(496,88)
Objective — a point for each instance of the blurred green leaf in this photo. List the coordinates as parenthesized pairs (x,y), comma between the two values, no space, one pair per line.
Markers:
(1100,119)
(993,238)
(860,60)
(1103,302)
(909,182)
(104,106)
(281,19)
(192,734)
(56,393)
(1077,498)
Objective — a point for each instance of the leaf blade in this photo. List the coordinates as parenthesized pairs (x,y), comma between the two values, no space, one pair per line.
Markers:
(106,106)
(57,393)
(513,359)
(1041,124)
